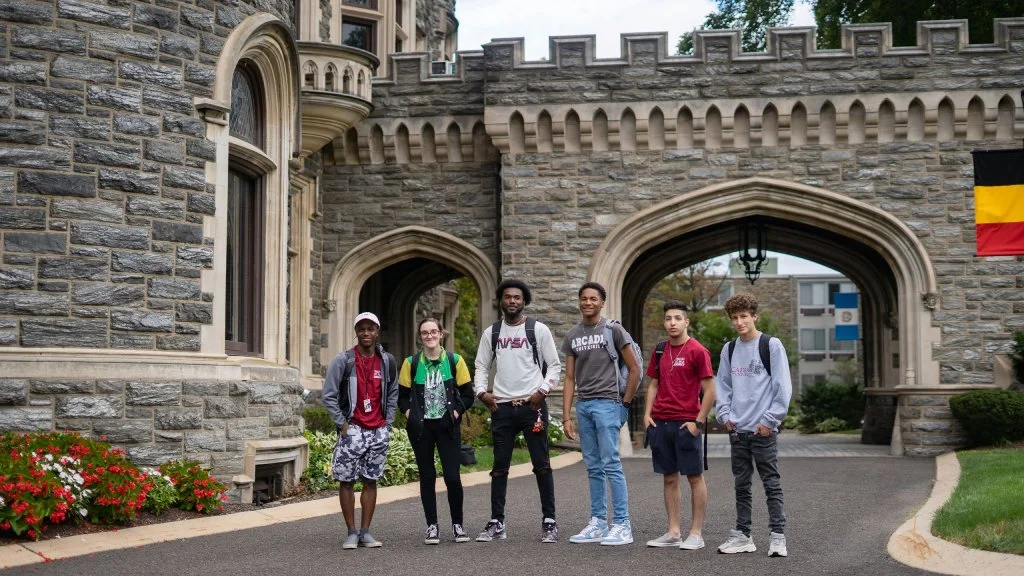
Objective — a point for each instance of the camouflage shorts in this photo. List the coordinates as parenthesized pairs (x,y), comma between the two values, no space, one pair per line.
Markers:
(360,453)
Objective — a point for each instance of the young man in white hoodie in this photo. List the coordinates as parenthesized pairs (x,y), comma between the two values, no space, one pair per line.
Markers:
(753,390)
(527,368)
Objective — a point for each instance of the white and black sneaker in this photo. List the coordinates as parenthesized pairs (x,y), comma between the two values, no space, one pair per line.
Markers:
(495,530)
(460,533)
(431,537)
(549,529)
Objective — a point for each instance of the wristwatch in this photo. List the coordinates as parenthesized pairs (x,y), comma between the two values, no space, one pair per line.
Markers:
(700,426)
(627,403)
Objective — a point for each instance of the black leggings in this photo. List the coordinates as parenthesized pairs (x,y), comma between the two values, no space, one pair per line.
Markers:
(447,438)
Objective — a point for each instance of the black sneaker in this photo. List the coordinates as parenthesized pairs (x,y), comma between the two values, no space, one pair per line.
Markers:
(460,533)
(550,530)
(495,530)
(431,536)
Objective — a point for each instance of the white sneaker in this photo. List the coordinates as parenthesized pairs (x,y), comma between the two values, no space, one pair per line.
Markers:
(692,542)
(618,535)
(737,542)
(594,531)
(778,545)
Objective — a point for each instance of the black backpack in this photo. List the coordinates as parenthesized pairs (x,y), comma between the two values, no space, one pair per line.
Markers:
(531,337)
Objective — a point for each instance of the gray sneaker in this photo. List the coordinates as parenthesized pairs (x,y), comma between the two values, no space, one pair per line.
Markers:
(351,541)
(494,530)
(692,542)
(737,542)
(666,540)
(366,540)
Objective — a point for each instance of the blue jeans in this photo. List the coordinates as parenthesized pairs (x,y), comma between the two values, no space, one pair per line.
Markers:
(600,421)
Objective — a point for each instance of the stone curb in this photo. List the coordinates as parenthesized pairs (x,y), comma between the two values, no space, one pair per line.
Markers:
(13,555)
(914,545)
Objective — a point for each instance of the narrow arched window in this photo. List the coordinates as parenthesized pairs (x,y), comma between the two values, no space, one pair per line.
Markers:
(247,109)
(243,328)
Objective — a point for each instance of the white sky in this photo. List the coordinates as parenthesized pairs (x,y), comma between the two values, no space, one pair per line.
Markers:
(480,21)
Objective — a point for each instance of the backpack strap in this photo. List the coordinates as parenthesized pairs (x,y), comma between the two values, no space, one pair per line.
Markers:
(766,355)
(732,348)
(531,337)
(609,341)
(414,363)
(659,349)
(452,360)
(495,331)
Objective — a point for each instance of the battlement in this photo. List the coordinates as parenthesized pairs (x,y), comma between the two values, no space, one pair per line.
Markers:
(935,37)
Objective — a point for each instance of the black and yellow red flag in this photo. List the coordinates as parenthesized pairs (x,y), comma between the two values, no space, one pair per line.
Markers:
(999,202)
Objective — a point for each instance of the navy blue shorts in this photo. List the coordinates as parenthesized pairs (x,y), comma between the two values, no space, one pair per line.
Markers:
(674,449)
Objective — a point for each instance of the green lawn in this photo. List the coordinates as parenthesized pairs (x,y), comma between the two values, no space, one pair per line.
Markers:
(485,458)
(986,510)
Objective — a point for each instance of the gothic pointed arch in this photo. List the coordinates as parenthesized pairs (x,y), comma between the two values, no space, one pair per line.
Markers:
(720,204)
(375,254)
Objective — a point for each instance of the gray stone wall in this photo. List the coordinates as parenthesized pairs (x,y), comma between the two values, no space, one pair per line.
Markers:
(360,202)
(927,425)
(102,157)
(157,420)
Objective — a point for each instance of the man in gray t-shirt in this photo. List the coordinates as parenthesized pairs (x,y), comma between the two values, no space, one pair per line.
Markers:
(591,374)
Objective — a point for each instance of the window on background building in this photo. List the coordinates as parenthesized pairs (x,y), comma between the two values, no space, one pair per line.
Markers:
(813,294)
(724,293)
(399,9)
(369,4)
(243,329)
(398,44)
(812,339)
(357,34)
(807,380)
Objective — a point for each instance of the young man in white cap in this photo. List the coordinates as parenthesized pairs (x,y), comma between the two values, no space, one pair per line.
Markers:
(361,395)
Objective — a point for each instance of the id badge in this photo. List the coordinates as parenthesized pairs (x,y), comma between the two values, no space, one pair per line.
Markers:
(366,404)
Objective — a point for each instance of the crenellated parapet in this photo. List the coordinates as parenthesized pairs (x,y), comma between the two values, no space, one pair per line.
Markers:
(934,38)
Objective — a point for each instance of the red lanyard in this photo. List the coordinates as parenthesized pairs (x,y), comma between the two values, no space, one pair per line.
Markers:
(364,371)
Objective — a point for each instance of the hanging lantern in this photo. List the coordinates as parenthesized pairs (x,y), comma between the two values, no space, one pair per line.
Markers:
(753,248)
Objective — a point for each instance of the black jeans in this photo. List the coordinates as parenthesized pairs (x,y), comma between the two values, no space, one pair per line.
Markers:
(749,451)
(447,437)
(505,424)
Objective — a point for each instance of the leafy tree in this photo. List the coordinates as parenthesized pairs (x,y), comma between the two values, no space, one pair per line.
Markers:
(466,336)
(753,16)
(695,286)
(846,372)
(830,15)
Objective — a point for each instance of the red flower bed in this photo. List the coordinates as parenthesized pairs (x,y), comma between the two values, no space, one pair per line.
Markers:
(54,477)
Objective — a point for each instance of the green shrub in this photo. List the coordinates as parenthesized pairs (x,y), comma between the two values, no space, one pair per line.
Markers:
(832,424)
(400,466)
(162,495)
(556,431)
(989,417)
(476,426)
(317,475)
(825,400)
(197,490)
(318,419)
(792,419)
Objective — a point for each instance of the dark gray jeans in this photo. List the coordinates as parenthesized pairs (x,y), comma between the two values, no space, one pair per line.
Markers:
(749,451)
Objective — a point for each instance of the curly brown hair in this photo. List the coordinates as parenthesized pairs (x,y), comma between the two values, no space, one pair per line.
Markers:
(741,302)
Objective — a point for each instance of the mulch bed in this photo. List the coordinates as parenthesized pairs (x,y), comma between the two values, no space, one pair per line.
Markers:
(71,529)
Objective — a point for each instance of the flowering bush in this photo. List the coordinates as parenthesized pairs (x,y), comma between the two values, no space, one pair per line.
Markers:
(163,495)
(196,489)
(55,476)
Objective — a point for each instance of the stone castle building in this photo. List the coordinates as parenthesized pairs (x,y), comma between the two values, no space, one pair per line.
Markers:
(197,198)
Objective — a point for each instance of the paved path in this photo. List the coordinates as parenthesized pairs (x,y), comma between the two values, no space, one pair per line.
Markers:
(792,444)
(841,512)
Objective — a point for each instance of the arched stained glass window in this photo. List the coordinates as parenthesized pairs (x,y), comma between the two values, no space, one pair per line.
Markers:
(247,105)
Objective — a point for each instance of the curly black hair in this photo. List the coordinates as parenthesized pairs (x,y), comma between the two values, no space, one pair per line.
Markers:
(593,286)
(510,283)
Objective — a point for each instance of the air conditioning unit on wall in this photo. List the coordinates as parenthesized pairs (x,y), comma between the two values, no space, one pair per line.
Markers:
(442,68)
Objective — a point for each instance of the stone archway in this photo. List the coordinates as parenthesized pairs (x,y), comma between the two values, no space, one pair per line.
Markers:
(375,254)
(812,207)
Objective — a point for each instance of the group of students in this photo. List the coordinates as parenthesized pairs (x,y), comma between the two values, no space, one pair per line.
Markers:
(433,388)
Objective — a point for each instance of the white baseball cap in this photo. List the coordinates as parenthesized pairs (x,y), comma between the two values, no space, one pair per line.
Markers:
(366,316)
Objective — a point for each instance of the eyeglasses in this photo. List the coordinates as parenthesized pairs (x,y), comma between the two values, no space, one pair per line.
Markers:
(426,333)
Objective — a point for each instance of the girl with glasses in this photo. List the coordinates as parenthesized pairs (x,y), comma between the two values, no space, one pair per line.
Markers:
(435,390)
